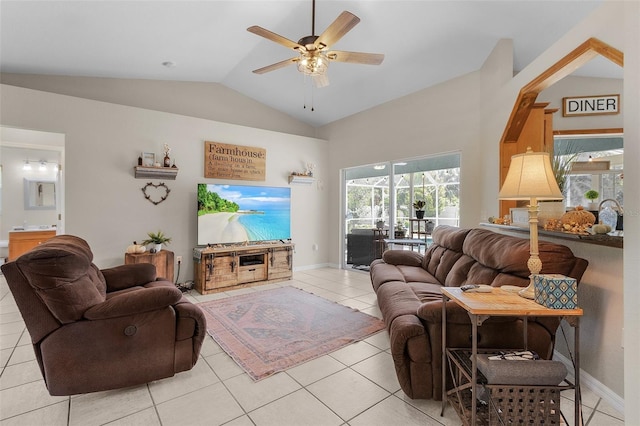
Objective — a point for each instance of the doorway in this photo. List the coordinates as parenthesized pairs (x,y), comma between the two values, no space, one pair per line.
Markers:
(32,182)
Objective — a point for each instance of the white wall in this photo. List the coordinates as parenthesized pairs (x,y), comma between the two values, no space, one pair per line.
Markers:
(415,125)
(104,202)
(629,21)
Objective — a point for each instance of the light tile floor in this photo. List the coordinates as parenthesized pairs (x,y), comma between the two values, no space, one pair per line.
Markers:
(353,386)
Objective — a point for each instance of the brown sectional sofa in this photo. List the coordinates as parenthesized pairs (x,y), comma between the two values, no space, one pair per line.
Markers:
(407,285)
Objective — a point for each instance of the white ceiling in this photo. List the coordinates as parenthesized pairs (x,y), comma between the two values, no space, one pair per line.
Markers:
(424,42)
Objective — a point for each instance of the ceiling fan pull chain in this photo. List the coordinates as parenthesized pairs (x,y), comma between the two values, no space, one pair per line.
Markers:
(304,92)
(313,18)
(312,92)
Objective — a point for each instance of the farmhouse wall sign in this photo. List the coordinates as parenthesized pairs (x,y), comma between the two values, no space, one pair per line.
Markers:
(591,105)
(224,161)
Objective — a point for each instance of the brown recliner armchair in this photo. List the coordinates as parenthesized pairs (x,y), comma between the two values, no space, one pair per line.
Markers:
(95,330)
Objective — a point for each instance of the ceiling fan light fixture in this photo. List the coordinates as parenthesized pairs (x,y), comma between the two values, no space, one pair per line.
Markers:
(313,63)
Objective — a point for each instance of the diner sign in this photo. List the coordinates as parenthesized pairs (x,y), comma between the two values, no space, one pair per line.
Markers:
(224,161)
(591,105)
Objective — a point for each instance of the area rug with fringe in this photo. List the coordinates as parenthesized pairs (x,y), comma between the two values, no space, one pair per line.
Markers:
(269,331)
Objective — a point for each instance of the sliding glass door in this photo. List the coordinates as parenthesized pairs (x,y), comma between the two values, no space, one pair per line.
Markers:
(379,200)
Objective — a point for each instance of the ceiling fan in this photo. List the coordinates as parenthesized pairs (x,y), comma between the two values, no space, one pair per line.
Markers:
(313,51)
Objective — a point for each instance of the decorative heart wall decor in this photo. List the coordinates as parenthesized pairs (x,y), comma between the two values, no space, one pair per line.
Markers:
(156,191)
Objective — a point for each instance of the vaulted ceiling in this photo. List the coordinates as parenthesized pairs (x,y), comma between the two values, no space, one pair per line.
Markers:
(424,43)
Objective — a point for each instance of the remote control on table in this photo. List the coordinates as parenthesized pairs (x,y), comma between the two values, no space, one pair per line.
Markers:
(476,288)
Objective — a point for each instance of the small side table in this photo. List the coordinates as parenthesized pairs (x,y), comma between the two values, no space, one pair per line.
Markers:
(163,261)
(418,230)
(499,302)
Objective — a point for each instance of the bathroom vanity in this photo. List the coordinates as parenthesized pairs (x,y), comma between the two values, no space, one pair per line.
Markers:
(21,241)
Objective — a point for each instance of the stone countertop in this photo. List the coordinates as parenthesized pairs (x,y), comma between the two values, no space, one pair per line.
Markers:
(608,240)
(34,228)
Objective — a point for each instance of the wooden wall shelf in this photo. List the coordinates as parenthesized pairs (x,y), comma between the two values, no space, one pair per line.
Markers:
(168,173)
(303,180)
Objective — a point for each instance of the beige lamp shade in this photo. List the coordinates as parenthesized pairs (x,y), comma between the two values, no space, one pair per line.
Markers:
(530,176)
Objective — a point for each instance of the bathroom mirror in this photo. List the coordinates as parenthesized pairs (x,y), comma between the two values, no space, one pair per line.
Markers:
(39,194)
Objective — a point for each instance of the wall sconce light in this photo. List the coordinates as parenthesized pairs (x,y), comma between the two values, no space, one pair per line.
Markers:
(26,166)
(43,166)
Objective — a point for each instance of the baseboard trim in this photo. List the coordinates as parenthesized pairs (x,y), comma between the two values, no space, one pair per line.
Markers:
(310,267)
(595,386)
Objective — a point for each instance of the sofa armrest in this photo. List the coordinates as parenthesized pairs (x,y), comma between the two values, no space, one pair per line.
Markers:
(131,275)
(402,257)
(134,302)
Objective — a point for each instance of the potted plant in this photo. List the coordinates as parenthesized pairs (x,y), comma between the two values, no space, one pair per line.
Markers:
(592,195)
(157,239)
(561,163)
(419,207)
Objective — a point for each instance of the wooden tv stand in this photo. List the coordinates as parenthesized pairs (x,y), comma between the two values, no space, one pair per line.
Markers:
(220,267)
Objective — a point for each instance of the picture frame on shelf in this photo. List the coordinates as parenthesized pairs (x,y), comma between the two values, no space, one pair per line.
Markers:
(519,216)
(148,159)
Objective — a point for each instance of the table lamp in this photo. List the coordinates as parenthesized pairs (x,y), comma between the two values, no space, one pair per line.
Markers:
(530,177)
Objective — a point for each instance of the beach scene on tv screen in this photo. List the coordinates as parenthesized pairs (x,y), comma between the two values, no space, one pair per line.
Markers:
(239,213)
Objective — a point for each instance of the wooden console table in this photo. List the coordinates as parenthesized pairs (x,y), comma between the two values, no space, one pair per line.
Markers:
(162,260)
(219,268)
(481,306)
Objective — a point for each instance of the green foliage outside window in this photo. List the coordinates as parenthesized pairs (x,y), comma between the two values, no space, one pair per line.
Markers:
(210,202)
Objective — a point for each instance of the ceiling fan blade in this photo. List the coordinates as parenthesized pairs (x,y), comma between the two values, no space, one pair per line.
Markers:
(337,29)
(320,80)
(270,35)
(356,57)
(276,66)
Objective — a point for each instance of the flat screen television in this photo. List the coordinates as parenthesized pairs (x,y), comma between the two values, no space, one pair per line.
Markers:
(242,213)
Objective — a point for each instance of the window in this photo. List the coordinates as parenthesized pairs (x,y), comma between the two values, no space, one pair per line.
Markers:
(608,183)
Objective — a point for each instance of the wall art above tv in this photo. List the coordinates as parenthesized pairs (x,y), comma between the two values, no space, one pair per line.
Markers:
(242,213)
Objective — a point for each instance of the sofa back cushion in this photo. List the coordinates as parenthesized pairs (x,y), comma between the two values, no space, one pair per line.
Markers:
(480,256)
(509,255)
(63,276)
(445,251)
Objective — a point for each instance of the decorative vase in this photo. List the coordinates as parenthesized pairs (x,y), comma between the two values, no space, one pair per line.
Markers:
(157,247)
(167,161)
(420,214)
(430,226)
(608,216)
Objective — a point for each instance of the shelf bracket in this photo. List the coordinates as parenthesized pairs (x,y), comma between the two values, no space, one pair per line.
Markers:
(478,319)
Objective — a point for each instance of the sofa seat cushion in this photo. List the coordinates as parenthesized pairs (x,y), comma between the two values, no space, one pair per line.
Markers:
(426,292)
